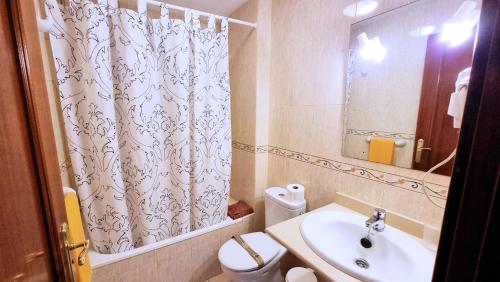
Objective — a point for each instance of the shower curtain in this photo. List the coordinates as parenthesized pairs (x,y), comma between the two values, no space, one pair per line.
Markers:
(146,110)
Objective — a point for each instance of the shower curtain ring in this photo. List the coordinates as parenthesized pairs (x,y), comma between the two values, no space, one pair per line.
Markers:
(44,24)
(142,6)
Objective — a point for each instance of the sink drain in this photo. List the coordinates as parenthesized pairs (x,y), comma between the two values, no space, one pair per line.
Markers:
(362,263)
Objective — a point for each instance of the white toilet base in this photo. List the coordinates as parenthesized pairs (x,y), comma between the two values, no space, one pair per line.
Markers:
(273,274)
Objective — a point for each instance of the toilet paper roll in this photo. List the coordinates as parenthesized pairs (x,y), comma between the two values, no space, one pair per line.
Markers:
(295,192)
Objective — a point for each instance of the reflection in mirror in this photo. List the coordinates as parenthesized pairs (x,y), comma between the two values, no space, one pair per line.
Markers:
(403,68)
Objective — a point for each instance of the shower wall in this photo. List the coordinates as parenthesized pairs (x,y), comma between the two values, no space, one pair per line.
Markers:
(250,71)
(310,42)
(304,45)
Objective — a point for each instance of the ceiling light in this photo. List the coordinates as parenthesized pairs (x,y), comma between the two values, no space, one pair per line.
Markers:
(371,49)
(360,8)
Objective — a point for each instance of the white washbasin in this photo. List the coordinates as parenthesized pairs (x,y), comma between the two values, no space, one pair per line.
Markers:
(394,256)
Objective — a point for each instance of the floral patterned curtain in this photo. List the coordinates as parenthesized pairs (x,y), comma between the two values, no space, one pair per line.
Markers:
(146,108)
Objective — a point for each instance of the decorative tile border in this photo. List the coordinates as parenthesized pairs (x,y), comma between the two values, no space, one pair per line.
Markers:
(383,134)
(414,185)
(244,147)
(250,148)
(261,149)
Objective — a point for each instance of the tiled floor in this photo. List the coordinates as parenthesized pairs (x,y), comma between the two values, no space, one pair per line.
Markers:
(219,278)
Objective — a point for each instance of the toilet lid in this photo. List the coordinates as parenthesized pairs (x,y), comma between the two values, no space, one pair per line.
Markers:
(233,256)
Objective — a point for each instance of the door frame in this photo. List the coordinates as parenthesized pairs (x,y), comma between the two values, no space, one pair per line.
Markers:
(470,231)
(35,95)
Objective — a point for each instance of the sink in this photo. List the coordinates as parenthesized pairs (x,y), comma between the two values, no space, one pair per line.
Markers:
(394,255)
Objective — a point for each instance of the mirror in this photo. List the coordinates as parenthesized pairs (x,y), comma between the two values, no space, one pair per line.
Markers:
(402,69)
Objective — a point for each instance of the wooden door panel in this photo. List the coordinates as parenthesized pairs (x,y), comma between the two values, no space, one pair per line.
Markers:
(434,125)
(22,226)
(31,198)
(469,243)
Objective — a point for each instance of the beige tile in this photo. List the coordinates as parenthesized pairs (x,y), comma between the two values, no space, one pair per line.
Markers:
(361,188)
(226,233)
(243,71)
(174,262)
(279,132)
(305,71)
(243,176)
(327,131)
(261,170)
(103,274)
(276,170)
(257,223)
(300,128)
(263,92)
(137,268)
(328,182)
(204,260)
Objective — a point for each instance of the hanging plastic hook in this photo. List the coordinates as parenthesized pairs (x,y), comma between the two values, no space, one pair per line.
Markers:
(142,6)
(44,25)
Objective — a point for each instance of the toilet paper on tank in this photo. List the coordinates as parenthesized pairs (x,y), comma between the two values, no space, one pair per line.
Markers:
(295,192)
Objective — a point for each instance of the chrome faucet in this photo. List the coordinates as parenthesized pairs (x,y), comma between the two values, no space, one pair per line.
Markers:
(376,221)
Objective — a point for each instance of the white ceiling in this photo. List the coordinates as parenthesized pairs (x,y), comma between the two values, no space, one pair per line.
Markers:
(218,7)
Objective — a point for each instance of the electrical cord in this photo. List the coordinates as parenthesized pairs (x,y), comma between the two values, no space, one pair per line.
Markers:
(424,188)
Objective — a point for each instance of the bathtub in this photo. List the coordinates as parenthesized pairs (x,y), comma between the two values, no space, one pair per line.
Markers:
(98,259)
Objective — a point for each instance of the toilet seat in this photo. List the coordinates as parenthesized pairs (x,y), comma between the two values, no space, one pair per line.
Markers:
(234,257)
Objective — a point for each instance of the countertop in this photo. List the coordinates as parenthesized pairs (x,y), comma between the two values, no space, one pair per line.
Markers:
(288,234)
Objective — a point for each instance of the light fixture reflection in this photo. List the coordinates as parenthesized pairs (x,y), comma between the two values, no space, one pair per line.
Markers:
(459,28)
(371,49)
(422,31)
(457,33)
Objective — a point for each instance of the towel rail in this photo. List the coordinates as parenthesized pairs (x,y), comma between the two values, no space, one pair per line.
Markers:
(397,143)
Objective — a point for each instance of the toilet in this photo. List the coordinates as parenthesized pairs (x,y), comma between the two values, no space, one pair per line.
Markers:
(237,263)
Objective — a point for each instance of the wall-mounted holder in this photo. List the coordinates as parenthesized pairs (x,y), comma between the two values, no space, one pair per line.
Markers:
(397,143)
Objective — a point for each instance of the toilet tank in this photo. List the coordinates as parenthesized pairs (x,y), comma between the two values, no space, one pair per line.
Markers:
(279,208)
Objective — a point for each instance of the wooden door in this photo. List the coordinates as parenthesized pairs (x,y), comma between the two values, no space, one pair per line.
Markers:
(435,126)
(469,244)
(31,198)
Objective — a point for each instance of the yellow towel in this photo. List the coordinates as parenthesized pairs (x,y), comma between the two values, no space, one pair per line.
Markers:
(381,150)
(76,235)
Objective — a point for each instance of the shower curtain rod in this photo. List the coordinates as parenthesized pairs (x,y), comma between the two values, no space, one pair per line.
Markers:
(45,24)
(141,6)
